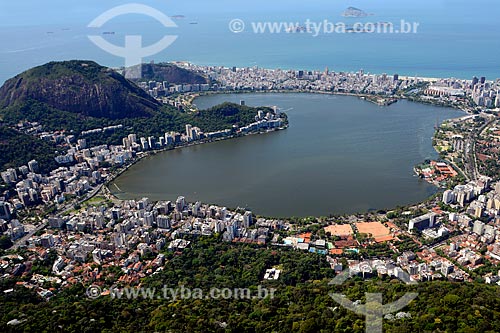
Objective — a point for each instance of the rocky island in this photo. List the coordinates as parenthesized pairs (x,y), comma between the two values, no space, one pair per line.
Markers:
(354,12)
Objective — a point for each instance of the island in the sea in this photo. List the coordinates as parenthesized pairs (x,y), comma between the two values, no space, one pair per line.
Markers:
(354,12)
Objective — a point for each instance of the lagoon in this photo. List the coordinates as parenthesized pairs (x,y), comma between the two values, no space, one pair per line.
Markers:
(340,155)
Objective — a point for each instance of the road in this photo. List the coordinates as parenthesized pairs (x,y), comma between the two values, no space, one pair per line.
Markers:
(470,158)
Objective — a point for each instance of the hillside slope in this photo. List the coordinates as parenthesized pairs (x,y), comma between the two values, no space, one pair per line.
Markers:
(170,73)
(81,87)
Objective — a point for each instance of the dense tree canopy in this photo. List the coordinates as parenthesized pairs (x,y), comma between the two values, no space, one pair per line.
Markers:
(301,303)
(18,149)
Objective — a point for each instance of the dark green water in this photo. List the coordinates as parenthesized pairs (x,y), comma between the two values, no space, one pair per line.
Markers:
(339,155)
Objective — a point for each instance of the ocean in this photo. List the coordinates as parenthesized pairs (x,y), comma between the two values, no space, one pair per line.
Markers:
(454,38)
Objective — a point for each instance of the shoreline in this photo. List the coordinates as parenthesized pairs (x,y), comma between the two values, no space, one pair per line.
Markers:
(107,183)
(192,97)
(366,97)
(459,76)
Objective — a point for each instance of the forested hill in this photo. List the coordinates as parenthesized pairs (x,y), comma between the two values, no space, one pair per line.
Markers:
(76,96)
(17,148)
(170,73)
(81,87)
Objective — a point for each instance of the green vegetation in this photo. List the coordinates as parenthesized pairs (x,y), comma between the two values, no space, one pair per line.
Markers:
(5,242)
(219,117)
(170,73)
(224,116)
(56,70)
(301,303)
(97,201)
(76,96)
(490,167)
(51,118)
(81,87)
(18,149)
(377,250)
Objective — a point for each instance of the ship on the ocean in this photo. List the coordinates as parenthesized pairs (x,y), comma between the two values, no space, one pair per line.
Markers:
(297,28)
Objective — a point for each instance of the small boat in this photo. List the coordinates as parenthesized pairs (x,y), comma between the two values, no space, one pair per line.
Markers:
(297,29)
(108,33)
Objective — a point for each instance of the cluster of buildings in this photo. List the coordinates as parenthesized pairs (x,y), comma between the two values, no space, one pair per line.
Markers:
(161,89)
(33,188)
(474,200)
(427,265)
(450,91)
(482,92)
(474,227)
(485,93)
(131,235)
(260,79)
(436,172)
(473,193)
(272,274)
(408,267)
(303,242)
(263,121)
(194,134)
(422,222)
(467,241)
(83,168)
(472,144)
(129,238)
(124,241)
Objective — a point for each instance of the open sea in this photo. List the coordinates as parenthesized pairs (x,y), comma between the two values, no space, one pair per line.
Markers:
(454,39)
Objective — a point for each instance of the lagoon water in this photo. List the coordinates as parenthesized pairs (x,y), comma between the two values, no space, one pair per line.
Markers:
(339,155)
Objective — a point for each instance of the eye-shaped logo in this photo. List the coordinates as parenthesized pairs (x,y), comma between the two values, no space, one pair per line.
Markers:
(133,51)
